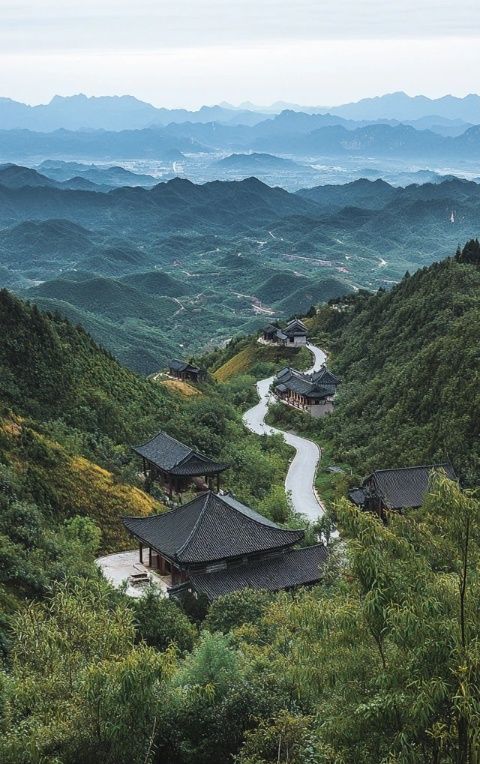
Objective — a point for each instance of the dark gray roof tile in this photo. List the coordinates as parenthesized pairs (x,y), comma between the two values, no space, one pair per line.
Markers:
(406,486)
(170,455)
(295,567)
(209,528)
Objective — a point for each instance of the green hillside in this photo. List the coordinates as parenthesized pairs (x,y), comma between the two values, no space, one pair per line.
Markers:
(69,413)
(379,663)
(409,360)
(157,283)
(315,292)
(108,297)
(280,285)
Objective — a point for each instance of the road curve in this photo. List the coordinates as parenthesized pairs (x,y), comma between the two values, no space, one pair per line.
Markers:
(300,478)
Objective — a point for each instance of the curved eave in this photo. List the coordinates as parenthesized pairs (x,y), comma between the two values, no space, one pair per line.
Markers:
(207,469)
(296,536)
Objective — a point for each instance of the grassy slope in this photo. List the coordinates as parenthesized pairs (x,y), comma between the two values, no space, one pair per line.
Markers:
(245,356)
(71,484)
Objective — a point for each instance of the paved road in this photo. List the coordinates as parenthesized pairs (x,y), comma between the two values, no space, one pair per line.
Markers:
(301,474)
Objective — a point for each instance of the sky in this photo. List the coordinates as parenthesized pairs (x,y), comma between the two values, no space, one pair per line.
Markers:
(192,52)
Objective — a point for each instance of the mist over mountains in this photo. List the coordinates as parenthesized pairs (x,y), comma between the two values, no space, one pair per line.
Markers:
(128,113)
(385,137)
(164,232)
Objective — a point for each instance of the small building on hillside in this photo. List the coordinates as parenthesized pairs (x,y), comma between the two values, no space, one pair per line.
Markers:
(215,545)
(185,371)
(296,332)
(293,335)
(176,465)
(312,392)
(272,333)
(396,489)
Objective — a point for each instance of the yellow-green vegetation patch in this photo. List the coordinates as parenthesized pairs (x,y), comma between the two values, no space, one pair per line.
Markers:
(93,491)
(73,485)
(256,353)
(179,386)
(239,364)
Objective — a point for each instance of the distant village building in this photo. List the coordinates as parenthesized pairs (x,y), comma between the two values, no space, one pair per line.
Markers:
(185,371)
(396,489)
(294,335)
(312,392)
(215,545)
(176,465)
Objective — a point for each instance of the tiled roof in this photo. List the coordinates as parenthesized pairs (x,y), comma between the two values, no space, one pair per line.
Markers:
(305,384)
(406,486)
(325,376)
(357,495)
(177,365)
(295,328)
(197,465)
(170,455)
(210,528)
(295,567)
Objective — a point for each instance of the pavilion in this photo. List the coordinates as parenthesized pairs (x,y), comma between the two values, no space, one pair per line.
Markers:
(176,465)
(294,335)
(215,545)
(313,392)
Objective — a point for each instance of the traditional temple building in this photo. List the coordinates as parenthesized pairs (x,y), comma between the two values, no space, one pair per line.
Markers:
(396,489)
(312,392)
(294,335)
(215,545)
(185,371)
(175,465)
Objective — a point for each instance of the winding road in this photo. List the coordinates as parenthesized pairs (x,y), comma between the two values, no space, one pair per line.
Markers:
(300,480)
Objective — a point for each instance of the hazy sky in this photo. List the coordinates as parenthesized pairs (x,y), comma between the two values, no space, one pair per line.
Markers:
(190,52)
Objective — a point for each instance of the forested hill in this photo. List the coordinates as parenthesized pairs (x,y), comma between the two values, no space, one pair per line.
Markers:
(69,414)
(410,361)
(50,370)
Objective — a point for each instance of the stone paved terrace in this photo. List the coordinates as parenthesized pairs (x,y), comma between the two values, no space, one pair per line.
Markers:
(118,567)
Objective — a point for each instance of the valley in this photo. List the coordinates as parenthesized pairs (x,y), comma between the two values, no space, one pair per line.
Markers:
(179,268)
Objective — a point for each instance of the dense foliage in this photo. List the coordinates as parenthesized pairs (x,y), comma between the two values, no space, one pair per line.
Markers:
(69,415)
(378,664)
(409,362)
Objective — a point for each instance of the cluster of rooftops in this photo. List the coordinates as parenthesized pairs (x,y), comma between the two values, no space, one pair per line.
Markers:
(214,544)
(295,333)
(312,389)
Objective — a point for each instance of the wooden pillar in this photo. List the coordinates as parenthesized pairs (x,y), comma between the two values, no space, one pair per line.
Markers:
(170,486)
(149,556)
(140,550)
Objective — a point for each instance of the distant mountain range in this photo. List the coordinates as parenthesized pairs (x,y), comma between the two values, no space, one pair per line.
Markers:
(79,112)
(404,107)
(106,177)
(289,133)
(72,175)
(291,148)
(113,113)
